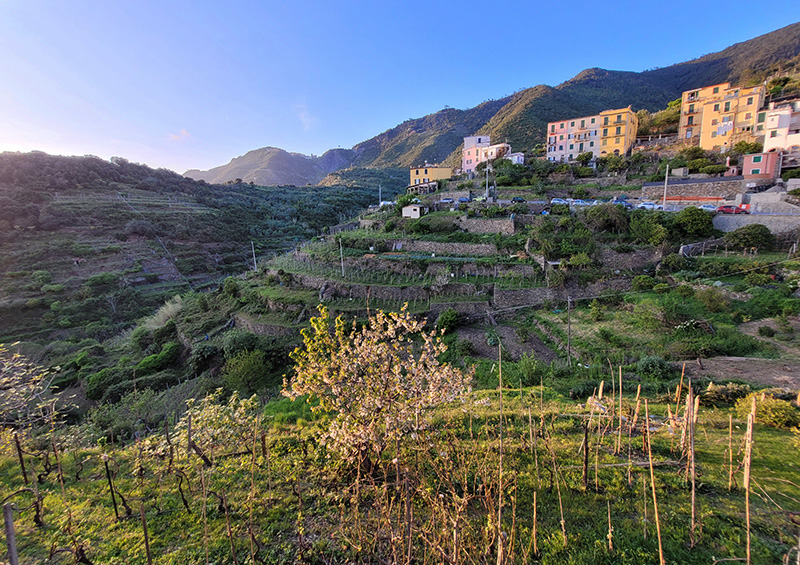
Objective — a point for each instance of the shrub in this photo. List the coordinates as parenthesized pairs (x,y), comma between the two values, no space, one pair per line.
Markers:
(167,356)
(675,262)
(695,222)
(236,341)
(643,282)
(661,288)
(247,371)
(41,277)
(685,290)
(766,331)
(719,395)
(757,279)
(52,288)
(713,299)
(596,310)
(752,235)
(654,367)
(447,320)
(770,411)
(713,169)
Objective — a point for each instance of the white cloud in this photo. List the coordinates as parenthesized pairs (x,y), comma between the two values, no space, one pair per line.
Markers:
(305,117)
(180,136)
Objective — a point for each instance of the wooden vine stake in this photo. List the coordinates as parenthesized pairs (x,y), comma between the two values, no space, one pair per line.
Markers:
(146,537)
(535,543)
(11,536)
(653,482)
(500,550)
(748,456)
(610,535)
(690,421)
(730,452)
(21,458)
(228,525)
(619,431)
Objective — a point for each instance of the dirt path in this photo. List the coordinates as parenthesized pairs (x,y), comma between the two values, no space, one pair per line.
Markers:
(783,372)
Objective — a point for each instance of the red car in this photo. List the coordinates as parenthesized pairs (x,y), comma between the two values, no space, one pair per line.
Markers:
(731,210)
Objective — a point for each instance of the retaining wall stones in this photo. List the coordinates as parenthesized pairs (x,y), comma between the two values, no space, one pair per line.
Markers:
(504,226)
(725,187)
(443,248)
(775,223)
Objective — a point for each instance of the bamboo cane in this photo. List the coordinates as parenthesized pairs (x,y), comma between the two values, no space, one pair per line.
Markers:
(653,483)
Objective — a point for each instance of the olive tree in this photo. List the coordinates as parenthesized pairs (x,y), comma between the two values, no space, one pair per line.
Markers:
(379,379)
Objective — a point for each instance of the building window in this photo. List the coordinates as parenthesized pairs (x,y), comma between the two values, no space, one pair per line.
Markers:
(605,132)
(561,148)
(691,108)
(416,172)
(714,122)
(716,90)
(580,147)
(748,116)
(583,123)
(416,181)
(592,120)
(426,171)
(572,124)
(713,134)
(552,128)
(756,158)
(617,141)
(727,106)
(690,121)
(749,100)
(561,125)
(762,116)
(716,107)
(605,142)
(773,133)
(561,137)
(688,133)
(755,172)
(591,144)
(605,121)
(570,146)
(619,130)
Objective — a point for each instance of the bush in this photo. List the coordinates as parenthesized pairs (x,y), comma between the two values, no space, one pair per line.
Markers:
(675,262)
(661,288)
(447,320)
(643,282)
(695,222)
(167,356)
(247,371)
(770,411)
(596,310)
(766,331)
(752,235)
(236,341)
(713,169)
(757,279)
(654,367)
(713,299)
(720,395)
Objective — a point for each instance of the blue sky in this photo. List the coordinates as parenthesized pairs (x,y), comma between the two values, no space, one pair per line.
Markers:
(182,85)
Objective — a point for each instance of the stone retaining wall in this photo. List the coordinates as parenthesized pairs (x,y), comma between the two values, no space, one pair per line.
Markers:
(775,223)
(504,226)
(715,188)
(443,248)
(538,296)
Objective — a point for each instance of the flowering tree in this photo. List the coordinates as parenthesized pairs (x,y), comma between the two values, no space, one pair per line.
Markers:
(379,379)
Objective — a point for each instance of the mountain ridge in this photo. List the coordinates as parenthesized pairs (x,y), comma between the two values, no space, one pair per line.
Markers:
(520,118)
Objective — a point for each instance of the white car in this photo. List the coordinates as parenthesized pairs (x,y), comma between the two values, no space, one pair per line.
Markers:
(708,207)
(558,201)
(646,206)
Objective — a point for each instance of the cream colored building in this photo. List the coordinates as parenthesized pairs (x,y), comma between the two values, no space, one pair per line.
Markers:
(719,116)
(428,173)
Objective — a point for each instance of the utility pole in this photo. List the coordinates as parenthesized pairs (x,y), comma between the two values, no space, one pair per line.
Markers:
(664,199)
(253,247)
(380,195)
(569,331)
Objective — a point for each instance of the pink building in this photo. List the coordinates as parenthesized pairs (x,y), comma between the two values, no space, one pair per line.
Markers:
(479,148)
(566,139)
(761,166)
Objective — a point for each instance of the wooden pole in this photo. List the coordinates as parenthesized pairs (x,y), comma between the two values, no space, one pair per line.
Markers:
(653,482)
(111,487)
(730,452)
(21,458)
(500,475)
(535,544)
(690,418)
(11,536)
(146,537)
(748,455)
(228,525)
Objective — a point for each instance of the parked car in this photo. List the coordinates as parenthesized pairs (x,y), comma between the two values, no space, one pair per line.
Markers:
(708,207)
(730,210)
(558,201)
(447,201)
(518,200)
(463,199)
(580,202)
(646,206)
(480,199)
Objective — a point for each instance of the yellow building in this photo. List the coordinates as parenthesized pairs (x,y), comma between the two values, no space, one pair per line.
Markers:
(717,117)
(617,131)
(429,173)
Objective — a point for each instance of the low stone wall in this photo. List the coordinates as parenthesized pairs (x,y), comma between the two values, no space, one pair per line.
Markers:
(775,223)
(726,187)
(503,226)
(442,248)
(538,296)
(633,261)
